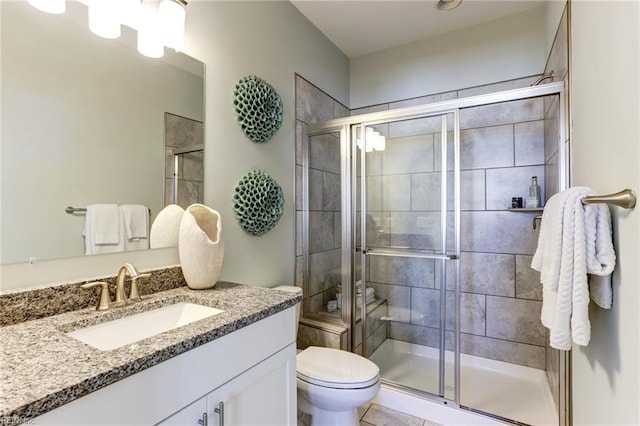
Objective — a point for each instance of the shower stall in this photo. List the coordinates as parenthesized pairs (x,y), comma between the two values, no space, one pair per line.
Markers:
(406,226)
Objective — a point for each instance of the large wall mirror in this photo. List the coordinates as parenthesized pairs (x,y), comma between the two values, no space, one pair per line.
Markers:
(83,122)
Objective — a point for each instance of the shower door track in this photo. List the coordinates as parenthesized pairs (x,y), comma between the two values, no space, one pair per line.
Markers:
(437,108)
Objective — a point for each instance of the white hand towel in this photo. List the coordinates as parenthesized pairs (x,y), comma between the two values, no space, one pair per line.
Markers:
(574,240)
(135,226)
(136,220)
(165,228)
(102,229)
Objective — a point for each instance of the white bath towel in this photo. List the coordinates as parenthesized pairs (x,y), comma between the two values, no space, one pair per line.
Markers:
(165,228)
(575,239)
(135,226)
(370,291)
(102,229)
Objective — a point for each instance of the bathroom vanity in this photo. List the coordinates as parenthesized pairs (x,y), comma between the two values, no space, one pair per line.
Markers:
(237,366)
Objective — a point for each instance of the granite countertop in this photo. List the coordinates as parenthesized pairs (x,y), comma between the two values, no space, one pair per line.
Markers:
(42,368)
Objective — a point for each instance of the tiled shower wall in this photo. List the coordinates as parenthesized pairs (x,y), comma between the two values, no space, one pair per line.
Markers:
(312,106)
(502,146)
(181,132)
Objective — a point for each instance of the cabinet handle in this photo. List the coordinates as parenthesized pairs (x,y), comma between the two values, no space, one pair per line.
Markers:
(220,411)
(204,421)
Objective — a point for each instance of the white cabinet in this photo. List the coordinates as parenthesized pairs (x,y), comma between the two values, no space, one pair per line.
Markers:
(259,396)
(188,415)
(251,370)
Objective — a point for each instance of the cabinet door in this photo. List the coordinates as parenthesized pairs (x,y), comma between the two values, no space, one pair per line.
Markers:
(189,415)
(263,395)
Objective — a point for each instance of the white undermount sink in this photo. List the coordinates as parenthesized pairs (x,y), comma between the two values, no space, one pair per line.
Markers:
(123,331)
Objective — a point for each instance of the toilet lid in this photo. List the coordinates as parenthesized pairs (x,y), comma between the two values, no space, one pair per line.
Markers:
(335,368)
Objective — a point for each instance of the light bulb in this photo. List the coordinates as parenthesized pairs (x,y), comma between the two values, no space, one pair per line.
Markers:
(375,140)
(104,18)
(149,40)
(171,17)
(49,6)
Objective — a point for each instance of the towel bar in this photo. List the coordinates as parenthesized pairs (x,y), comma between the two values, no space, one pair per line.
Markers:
(625,199)
(72,210)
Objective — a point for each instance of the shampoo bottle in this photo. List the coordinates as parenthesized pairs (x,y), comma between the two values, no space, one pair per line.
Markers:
(533,201)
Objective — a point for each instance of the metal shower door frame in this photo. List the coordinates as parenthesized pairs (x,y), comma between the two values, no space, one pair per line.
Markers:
(441,257)
(349,165)
(177,152)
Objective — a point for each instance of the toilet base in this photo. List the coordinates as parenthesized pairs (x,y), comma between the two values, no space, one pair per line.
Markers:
(333,418)
(320,417)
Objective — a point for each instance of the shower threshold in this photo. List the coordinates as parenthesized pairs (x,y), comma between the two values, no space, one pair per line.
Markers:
(497,388)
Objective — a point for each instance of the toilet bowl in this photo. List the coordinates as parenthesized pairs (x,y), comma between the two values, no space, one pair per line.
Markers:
(332,383)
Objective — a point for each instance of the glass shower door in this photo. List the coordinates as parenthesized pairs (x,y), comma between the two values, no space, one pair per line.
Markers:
(406,234)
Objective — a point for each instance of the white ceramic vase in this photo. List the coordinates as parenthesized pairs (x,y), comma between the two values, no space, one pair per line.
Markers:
(200,246)
(166,228)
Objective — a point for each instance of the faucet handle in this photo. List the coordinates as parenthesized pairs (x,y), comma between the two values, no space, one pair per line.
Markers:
(134,296)
(105,298)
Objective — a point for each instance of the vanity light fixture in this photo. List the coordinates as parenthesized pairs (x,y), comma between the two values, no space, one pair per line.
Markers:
(49,6)
(374,141)
(149,40)
(447,4)
(105,17)
(159,24)
(171,15)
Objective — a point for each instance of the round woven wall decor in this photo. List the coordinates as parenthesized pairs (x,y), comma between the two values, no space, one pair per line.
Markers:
(258,202)
(259,108)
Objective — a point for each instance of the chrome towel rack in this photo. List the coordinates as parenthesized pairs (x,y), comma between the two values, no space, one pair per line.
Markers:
(625,199)
(72,210)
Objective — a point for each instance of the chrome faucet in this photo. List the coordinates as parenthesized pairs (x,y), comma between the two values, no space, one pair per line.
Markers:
(121,299)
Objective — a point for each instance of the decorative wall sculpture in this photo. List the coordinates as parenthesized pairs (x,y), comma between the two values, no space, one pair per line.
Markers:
(259,108)
(258,202)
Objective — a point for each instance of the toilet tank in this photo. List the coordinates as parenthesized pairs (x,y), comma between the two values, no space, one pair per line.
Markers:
(296,290)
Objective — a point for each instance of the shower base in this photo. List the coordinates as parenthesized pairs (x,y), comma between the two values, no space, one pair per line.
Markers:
(494,387)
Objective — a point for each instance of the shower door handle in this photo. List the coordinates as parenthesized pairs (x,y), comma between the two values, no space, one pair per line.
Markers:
(408,253)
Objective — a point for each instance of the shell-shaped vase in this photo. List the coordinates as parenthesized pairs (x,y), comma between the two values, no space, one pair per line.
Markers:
(201,246)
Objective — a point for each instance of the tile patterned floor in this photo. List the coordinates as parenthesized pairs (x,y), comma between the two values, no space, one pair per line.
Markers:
(377,415)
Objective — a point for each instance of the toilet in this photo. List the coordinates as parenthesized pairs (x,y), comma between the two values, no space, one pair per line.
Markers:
(332,383)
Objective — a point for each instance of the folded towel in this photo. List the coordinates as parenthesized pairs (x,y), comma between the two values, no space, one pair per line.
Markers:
(136,221)
(369,299)
(102,229)
(165,228)
(370,291)
(574,240)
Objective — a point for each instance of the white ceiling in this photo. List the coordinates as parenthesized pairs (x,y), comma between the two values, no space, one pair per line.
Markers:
(361,27)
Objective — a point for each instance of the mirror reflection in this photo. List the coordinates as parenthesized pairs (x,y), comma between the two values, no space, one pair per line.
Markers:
(89,121)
